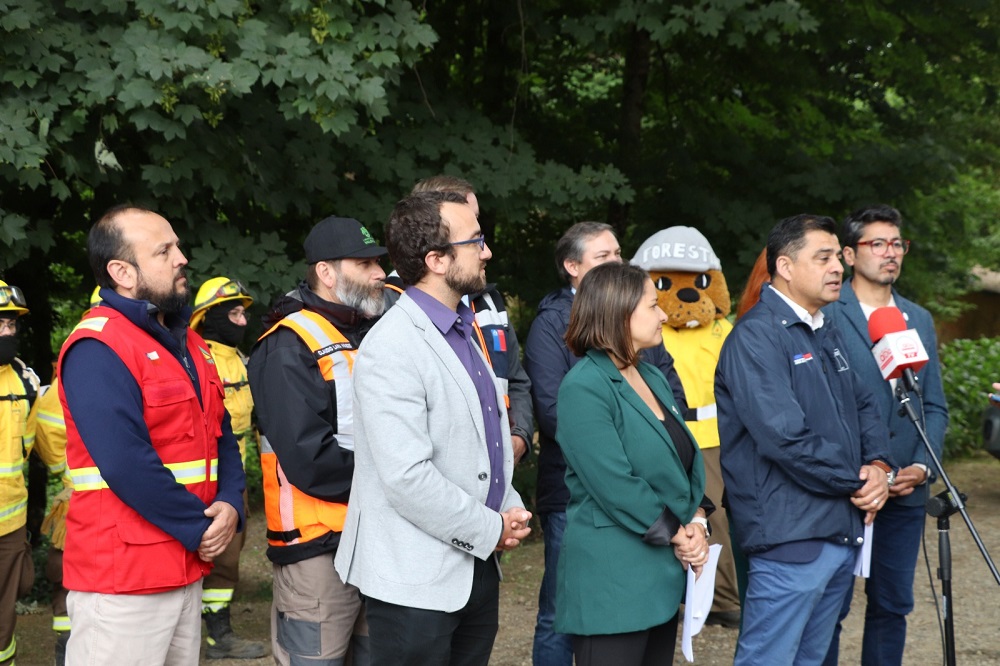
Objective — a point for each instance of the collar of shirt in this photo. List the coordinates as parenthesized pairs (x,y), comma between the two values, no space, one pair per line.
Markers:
(443,318)
(869,309)
(814,322)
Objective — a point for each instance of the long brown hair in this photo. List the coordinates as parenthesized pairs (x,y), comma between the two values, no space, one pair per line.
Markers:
(751,293)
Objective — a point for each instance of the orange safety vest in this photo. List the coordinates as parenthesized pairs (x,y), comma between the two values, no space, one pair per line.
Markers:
(110,548)
(294,517)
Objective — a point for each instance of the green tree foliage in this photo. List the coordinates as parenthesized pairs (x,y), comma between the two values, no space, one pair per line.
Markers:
(968,369)
(728,115)
(245,122)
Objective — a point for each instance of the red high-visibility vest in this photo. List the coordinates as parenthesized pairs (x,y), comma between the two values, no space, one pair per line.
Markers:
(110,548)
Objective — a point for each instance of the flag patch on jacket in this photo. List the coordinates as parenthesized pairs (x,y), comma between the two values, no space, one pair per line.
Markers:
(499,339)
(153,356)
(799,359)
(207,355)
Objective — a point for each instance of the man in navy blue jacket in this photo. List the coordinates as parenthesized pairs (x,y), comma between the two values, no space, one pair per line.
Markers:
(874,249)
(804,453)
(547,360)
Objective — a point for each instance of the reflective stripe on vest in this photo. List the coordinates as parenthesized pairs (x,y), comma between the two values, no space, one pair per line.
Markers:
(10,510)
(12,470)
(9,651)
(491,316)
(334,355)
(292,516)
(185,473)
(52,418)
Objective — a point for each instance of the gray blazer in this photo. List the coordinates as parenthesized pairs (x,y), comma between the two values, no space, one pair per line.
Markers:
(416,516)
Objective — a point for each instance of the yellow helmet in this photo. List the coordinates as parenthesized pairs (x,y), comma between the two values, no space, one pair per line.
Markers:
(215,291)
(95,297)
(12,300)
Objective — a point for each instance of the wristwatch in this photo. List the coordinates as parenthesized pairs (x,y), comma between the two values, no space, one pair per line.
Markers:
(704,523)
(890,473)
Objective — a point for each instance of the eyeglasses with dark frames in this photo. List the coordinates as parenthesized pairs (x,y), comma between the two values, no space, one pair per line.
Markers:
(479,240)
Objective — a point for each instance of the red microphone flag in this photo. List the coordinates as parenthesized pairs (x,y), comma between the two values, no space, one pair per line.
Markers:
(897,348)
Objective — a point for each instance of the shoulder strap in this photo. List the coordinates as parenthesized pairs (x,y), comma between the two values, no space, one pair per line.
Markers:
(29,379)
(319,335)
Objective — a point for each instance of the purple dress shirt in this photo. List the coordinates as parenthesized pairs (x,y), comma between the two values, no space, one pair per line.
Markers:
(457,329)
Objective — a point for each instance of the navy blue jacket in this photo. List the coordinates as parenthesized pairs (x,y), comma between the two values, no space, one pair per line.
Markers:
(905,444)
(107,405)
(547,360)
(796,425)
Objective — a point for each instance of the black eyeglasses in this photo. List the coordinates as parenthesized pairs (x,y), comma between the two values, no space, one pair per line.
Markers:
(479,240)
(880,246)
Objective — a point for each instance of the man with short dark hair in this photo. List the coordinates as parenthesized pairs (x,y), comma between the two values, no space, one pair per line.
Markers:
(874,248)
(432,501)
(803,450)
(494,333)
(301,373)
(154,463)
(547,360)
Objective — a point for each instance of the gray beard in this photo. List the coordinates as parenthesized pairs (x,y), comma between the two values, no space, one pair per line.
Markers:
(368,302)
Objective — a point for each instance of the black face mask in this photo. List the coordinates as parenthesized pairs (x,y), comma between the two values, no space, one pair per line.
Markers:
(8,348)
(218,327)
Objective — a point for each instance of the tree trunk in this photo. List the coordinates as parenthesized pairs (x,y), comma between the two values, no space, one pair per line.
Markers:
(636,79)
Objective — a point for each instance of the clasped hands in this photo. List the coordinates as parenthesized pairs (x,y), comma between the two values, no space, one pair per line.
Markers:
(225,519)
(872,495)
(515,528)
(691,546)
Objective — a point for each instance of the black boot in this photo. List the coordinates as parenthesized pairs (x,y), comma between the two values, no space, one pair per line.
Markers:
(62,637)
(223,643)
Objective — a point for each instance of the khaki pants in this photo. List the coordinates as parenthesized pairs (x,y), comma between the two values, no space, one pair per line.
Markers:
(727,595)
(163,628)
(316,615)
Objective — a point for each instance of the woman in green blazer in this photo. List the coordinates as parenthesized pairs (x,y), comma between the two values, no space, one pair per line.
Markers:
(637,512)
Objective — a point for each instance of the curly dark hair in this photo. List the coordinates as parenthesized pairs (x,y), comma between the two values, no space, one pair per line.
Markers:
(415,228)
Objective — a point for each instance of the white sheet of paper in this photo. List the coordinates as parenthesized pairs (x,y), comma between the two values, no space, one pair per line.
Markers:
(698,601)
(864,564)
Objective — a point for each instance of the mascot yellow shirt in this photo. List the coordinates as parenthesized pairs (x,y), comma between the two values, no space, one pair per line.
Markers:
(696,353)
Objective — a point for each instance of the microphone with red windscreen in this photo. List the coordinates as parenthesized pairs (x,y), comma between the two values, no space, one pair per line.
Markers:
(898,350)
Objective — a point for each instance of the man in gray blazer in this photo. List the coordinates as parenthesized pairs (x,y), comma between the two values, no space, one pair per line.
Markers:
(432,501)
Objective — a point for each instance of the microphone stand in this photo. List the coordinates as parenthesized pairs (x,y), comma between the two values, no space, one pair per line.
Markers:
(942,506)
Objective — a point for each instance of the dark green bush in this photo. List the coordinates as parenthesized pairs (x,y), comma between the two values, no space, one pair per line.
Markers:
(968,369)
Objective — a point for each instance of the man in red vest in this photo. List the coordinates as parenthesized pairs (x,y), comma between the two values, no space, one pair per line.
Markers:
(155,466)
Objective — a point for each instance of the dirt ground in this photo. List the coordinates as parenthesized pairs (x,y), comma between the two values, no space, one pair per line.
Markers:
(976,595)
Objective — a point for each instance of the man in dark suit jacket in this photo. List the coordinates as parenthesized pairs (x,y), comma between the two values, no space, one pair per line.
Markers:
(874,248)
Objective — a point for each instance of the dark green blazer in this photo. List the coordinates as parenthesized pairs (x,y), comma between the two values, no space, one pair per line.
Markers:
(622,471)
